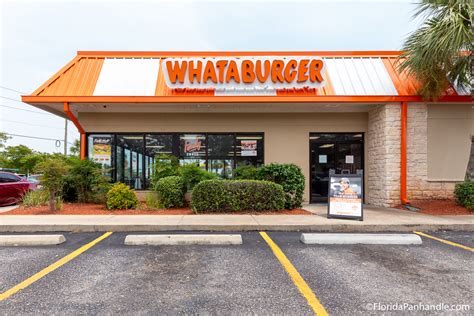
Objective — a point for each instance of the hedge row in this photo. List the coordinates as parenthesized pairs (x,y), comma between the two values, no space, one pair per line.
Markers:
(237,195)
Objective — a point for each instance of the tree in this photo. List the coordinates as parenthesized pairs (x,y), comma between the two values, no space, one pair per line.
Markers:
(440,51)
(3,139)
(53,172)
(75,148)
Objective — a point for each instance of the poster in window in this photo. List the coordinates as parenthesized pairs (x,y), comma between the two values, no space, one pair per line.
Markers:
(345,196)
(248,148)
(102,150)
(192,146)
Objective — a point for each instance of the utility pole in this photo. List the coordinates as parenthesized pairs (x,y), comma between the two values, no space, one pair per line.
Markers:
(65,137)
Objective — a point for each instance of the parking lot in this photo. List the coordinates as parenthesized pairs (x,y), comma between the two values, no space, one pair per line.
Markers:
(112,278)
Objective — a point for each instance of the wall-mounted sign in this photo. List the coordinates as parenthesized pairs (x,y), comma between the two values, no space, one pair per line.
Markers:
(345,196)
(248,148)
(244,72)
(192,145)
(102,150)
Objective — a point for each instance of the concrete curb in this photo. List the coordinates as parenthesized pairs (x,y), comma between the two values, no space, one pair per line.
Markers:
(367,239)
(339,228)
(159,240)
(31,240)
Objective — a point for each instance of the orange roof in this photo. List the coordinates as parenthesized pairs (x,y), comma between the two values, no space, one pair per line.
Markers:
(80,76)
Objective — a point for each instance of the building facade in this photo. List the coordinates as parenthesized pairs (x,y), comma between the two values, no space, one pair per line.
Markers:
(347,111)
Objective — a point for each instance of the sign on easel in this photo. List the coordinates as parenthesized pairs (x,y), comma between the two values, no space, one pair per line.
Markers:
(345,196)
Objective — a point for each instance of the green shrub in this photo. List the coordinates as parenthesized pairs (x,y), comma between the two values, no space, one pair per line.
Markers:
(290,177)
(464,193)
(53,172)
(35,198)
(192,175)
(164,166)
(152,201)
(121,197)
(170,191)
(246,173)
(85,182)
(237,195)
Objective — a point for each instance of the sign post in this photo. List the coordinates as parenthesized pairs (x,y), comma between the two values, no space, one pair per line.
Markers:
(345,196)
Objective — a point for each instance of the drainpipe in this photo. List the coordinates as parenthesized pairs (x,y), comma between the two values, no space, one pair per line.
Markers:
(403,154)
(73,119)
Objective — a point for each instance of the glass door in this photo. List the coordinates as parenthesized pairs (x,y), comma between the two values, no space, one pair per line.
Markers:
(341,152)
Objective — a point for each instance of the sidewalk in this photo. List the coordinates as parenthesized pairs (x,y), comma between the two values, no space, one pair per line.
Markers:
(375,220)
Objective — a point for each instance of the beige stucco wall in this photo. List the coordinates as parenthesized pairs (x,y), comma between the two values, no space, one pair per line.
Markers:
(450,131)
(286,135)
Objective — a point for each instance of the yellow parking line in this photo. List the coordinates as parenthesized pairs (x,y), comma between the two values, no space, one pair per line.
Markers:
(300,283)
(445,241)
(52,267)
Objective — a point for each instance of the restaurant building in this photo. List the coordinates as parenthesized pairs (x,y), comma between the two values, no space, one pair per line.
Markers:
(347,111)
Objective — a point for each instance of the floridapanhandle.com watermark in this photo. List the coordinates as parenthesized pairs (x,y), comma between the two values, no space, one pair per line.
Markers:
(417,307)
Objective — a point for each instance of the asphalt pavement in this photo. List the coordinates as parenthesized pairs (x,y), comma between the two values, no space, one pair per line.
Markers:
(111,278)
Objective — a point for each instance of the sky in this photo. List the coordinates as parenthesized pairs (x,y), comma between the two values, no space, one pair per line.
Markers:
(37,38)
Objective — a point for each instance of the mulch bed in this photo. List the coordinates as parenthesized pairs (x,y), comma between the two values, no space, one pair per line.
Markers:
(440,207)
(99,209)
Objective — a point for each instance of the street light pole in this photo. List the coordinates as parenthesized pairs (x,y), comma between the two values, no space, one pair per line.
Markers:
(65,137)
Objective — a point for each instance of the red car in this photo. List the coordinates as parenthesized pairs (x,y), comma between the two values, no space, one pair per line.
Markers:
(12,188)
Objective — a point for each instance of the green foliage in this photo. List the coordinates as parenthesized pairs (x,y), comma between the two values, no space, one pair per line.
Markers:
(22,158)
(192,175)
(237,195)
(170,191)
(464,193)
(53,171)
(246,173)
(35,198)
(152,201)
(164,166)
(3,139)
(441,48)
(290,177)
(85,181)
(75,149)
(121,197)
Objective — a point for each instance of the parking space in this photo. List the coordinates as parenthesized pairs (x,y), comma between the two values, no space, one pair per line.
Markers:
(114,278)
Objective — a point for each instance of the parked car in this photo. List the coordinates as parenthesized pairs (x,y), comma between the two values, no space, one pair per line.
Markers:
(35,181)
(12,188)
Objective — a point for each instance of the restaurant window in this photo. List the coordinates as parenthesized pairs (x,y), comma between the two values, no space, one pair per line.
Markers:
(132,162)
(129,158)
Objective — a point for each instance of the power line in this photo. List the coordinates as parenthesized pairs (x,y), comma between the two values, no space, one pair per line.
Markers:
(35,137)
(6,88)
(1,96)
(11,121)
(14,108)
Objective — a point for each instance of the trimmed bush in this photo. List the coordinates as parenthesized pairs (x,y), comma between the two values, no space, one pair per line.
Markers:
(121,197)
(192,175)
(464,193)
(246,173)
(170,191)
(164,166)
(237,195)
(290,177)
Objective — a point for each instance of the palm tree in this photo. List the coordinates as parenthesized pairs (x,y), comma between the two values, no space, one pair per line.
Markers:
(440,51)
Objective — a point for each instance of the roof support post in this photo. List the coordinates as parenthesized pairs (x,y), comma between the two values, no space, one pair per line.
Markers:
(403,153)
(71,116)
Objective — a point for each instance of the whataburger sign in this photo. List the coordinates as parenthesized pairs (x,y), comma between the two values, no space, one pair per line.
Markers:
(242,73)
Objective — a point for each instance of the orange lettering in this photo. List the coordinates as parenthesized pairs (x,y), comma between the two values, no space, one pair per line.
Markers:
(315,68)
(277,69)
(195,72)
(220,64)
(177,71)
(258,69)
(290,72)
(209,72)
(248,75)
(302,69)
(232,72)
